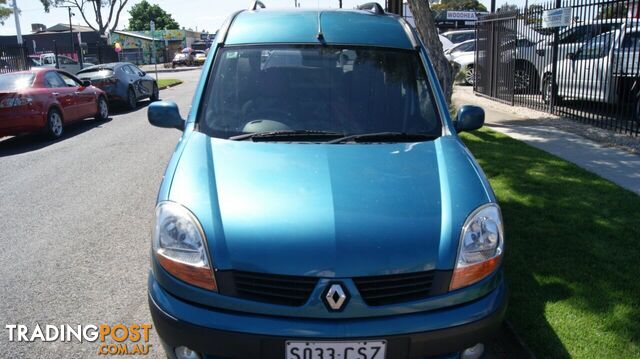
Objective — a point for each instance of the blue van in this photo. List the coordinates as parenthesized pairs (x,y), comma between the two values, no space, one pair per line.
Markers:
(320,203)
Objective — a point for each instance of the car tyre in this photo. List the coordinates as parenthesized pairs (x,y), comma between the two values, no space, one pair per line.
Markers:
(155,93)
(103,109)
(132,100)
(55,125)
(547,91)
(469,76)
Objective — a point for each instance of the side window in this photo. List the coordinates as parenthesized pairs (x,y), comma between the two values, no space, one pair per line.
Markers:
(597,47)
(135,70)
(69,81)
(631,41)
(48,60)
(578,34)
(66,61)
(127,70)
(52,80)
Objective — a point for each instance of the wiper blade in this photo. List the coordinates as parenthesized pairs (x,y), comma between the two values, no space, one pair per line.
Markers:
(385,137)
(285,135)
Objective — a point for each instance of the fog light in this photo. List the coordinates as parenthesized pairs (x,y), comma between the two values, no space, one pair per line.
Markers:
(186,353)
(474,352)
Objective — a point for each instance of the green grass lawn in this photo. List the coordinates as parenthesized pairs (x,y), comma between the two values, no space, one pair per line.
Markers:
(572,251)
(164,83)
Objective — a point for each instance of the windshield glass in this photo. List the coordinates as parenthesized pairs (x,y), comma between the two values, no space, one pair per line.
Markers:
(16,81)
(312,88)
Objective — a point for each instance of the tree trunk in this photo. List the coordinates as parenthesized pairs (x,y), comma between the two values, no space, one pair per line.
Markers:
(426,27)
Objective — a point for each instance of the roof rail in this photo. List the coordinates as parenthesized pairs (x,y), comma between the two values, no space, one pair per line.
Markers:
(256,4)
(373,7)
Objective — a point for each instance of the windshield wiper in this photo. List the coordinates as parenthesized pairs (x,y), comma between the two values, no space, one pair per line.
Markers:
(286,135)
(385,137)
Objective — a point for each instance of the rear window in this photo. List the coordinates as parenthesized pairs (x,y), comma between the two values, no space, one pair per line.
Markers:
(339,89)
(15,81)
(95,73)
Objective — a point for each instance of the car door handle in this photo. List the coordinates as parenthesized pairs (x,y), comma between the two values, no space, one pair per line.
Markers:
(55,93)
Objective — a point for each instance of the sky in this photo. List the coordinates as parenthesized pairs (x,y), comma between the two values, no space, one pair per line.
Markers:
(188,13)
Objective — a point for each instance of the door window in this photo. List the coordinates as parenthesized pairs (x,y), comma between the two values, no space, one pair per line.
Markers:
(66,61)
(597,47)
(69,81)
(53,80)
(135,70)
(127,70)
(631,41)
(48,60)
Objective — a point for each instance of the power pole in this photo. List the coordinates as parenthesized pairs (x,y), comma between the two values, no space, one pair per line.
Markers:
(73,50)
(16,15)
(340,3)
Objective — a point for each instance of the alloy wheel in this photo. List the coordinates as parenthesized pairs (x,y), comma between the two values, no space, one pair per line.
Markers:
(469,76)
(521,80)
(103,109)
(55,123)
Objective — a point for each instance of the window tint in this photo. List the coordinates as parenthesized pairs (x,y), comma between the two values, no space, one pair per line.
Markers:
(48,60)
(597,47)
(69,81)
(127,70)
(346,90)
(577,34)
(53,80)
(631,41)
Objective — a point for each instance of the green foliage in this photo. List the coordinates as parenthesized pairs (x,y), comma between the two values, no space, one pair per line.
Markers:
(5,11)
(508,7)
(459,5)
(571,253)
(612,11)
(143,12)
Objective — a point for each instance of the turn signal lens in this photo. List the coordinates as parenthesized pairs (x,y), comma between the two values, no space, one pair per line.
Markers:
(481,246)
(179,246)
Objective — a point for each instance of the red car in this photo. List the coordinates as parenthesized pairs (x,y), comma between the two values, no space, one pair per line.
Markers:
(46,100)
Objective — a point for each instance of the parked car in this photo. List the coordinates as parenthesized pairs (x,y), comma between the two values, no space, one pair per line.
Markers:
(200,57)
(446,43)
(123,82)
(458,36)
(64,62)
(614,59)
(464,48)
(464,64)
(323,206)
(45,100)
(183,58)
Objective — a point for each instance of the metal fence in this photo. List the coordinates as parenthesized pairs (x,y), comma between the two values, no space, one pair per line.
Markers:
(588,70)
(22,57)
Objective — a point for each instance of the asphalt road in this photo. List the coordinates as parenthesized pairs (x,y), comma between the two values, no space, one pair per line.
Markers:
(75,222)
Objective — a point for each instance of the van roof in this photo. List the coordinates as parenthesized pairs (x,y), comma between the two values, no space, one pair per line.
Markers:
(339,27)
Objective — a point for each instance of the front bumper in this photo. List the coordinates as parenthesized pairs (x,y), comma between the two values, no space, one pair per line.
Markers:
(226,334)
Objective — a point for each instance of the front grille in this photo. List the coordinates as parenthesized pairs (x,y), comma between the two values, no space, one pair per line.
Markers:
(399,288)
(268,288)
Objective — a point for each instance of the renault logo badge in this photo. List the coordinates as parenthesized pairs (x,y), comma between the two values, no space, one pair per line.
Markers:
(336,297)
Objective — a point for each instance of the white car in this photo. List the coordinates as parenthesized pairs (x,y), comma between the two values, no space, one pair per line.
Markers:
(64,62)
(446,43)
(604,69)
(463,48)
(459,36)
(464,64)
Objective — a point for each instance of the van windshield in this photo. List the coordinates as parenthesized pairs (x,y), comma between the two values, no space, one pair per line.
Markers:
(349,91)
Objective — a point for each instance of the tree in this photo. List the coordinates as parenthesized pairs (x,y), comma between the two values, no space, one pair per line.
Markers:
(93,9)
(5,11)
(612,11)
(143,12)
(508,7)
(426,27)
(473,5)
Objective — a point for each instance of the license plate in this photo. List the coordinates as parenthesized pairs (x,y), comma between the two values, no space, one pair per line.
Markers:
(336,350)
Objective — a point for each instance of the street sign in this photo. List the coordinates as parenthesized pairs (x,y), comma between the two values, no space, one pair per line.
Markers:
(152,25)
(556,18)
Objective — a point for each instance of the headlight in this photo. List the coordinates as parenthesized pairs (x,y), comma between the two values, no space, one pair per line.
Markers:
(180,247)
(481,246)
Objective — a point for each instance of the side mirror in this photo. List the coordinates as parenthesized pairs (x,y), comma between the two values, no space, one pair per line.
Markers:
(86,83)
(165,114)
(469,118)
(571,56)
(142,73)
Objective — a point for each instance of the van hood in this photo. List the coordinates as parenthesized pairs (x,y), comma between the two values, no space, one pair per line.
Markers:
(340,210)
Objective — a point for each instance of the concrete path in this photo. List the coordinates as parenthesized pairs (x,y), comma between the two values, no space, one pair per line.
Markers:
(618,166)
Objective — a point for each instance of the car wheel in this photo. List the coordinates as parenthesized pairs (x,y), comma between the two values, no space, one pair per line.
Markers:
(132,100)
(523,79)
(547,91)
(155,93)
(469,76)
(55,126)
(103,109)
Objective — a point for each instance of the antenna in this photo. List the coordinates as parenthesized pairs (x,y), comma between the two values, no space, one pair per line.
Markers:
(320,35)
(256,4)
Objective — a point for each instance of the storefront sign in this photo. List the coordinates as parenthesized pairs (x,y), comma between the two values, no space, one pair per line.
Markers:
(556,18)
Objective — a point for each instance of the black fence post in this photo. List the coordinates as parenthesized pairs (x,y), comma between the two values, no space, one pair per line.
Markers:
(554,67)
